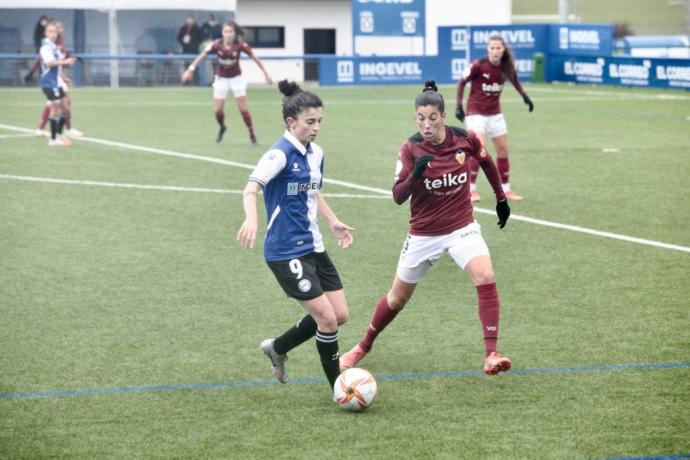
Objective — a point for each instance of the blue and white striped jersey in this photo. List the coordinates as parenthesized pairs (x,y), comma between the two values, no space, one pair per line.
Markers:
(49,75)
(291,176)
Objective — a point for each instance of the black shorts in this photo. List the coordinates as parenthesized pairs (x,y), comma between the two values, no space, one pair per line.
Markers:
(54,94)
(308,277)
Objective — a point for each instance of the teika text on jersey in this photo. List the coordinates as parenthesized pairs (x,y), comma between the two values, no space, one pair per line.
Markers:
(447,180)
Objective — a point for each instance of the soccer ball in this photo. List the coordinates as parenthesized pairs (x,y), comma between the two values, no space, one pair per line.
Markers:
(355,389)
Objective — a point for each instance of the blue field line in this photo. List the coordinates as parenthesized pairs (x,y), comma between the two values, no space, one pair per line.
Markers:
(304,381)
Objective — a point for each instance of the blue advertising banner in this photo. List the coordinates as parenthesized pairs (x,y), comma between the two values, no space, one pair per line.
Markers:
(459,46)
(453,53)
(524,40)
(619,71)
(388,18)
(375,70)
(581,39)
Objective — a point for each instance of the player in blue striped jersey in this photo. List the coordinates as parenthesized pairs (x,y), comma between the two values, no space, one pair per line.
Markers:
(51,67)
(291,176)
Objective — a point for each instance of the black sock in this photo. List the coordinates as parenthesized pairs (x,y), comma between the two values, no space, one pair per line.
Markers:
(296,335)
(327,344)
(61,124)
(53,128)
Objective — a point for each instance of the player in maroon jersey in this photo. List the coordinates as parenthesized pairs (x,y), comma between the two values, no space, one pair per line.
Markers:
(433,169)
(229,75)
(484,115)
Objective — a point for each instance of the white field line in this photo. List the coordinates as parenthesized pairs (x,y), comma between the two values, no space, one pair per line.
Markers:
(589,231)
(190,156)
(171,188)
(623,93)
(382,192)
(506,99)
(8,136)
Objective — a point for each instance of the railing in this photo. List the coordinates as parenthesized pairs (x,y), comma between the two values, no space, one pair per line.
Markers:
(139,69)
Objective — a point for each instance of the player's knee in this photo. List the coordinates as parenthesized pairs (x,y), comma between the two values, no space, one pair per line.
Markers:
(342,317)
(326,321)
(485,276)
(397,301)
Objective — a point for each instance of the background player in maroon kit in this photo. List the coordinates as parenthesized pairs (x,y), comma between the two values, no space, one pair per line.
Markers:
(433,169)
(229,75)
(484,115)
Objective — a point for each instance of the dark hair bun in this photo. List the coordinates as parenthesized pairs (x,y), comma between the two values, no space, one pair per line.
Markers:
(430,85)
(288,88)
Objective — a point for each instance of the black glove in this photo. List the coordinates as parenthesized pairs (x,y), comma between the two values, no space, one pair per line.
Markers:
(420,165)
(528,101)
(459,113)
(29,77)
(503,212)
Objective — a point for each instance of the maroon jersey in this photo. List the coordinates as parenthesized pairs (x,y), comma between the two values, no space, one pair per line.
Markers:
(440,201)
(487,83)
(228,58)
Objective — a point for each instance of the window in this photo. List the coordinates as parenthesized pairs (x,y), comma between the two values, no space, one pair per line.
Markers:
(265,36)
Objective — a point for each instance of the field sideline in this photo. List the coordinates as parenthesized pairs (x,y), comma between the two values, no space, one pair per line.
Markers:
(132,318)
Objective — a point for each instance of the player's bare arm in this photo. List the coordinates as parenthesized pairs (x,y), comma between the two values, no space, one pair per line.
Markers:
(247,233)
(269,80)
(341,231)
(189,73)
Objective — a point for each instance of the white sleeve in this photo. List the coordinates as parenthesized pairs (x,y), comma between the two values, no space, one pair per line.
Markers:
(47,54)
(269,166)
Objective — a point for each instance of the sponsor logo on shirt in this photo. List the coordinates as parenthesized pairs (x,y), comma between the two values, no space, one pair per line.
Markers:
(447,180)
(227,62)
(293,188)
(492,88)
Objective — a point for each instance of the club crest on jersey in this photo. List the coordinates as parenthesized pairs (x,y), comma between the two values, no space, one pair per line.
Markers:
(460,157)
(295,167)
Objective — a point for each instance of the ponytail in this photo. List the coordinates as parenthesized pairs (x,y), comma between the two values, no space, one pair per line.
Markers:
(295,99)
(430,96)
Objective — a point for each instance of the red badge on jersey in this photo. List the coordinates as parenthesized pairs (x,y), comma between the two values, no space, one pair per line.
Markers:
(460,157)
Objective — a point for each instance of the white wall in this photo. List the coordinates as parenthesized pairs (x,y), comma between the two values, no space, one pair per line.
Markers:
(463,12)
(437,13)
(295,16)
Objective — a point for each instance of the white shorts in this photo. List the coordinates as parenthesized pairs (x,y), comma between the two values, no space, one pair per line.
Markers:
(421,252)
(222,85)
(492,125)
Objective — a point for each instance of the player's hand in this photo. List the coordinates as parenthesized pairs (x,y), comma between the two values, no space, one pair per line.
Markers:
(269,80)
(460,113)
(247,234)
(503,212)
(186,76)
(420,165)
(70,61)
(528,101)
(343,234)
